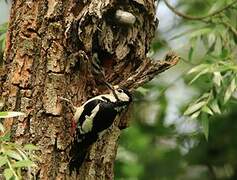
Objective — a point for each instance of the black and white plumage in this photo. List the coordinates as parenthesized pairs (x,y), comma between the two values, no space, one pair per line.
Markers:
(92,118)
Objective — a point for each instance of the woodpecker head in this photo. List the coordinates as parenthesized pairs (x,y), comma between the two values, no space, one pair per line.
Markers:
(123,95)
(120,94)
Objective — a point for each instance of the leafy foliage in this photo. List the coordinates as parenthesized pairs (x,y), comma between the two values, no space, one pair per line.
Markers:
(3,30)
(13,157)
(153,149)
(213,35)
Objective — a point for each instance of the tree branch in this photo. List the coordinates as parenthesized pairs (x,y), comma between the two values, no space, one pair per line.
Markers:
(149,69)
(234,31)
(186,16)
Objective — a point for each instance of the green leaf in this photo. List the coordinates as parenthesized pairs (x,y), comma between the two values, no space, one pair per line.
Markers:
(6,137)
(215,107)
(18,173)
(23,163)
(3,41)
(201,31)
(217,78)
(30,147)
(198,68)
(8,174)
(13,154)
(3,114)
(3,160)
(205,125)
(203,97)
(211,39)
(10,114)
(2,129)
(211,47)
(190,53)
(195,107)
(183,34)
(195,115)
(3,27)
(229,91)
(204,71)
(224,53)
(207,110)
(216,6)
(3,37)
(21,153)
(3,44)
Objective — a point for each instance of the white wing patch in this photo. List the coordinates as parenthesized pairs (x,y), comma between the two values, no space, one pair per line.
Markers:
(78,113)
(88,123)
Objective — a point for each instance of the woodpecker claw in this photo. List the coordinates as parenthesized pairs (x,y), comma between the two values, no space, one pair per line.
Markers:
(67,100)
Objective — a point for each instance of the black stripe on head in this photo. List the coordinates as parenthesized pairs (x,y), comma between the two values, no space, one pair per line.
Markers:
(127,92)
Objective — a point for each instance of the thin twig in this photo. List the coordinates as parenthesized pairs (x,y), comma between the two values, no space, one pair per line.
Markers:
(230,27)
(186,16)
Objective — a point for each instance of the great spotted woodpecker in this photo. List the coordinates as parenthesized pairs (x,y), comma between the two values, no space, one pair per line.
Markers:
(92,118)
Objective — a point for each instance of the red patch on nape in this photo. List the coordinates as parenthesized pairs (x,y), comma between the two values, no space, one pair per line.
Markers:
(73,127)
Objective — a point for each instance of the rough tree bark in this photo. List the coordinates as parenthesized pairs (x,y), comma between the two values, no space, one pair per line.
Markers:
(50,44)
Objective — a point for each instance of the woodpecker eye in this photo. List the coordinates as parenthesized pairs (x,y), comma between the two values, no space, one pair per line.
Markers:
(120,90)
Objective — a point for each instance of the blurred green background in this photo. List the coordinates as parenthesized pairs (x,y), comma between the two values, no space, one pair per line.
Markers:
(184,123)
(163,144)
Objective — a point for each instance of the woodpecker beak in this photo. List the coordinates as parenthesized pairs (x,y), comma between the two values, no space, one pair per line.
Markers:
(112,89)
(109,86)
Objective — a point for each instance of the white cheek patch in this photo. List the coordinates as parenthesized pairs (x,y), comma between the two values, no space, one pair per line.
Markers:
(123,97)
(88,123)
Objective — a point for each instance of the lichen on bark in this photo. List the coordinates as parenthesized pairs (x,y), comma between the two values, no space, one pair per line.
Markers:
(49,50)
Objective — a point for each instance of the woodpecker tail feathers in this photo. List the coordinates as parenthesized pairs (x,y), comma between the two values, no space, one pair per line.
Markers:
(79,150)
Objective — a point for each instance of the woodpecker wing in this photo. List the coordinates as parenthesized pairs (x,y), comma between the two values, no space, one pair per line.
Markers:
(104,117)
(88,122)
(92,118)
(87,111)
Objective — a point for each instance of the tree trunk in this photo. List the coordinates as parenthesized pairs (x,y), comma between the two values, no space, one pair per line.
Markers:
(49,50)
